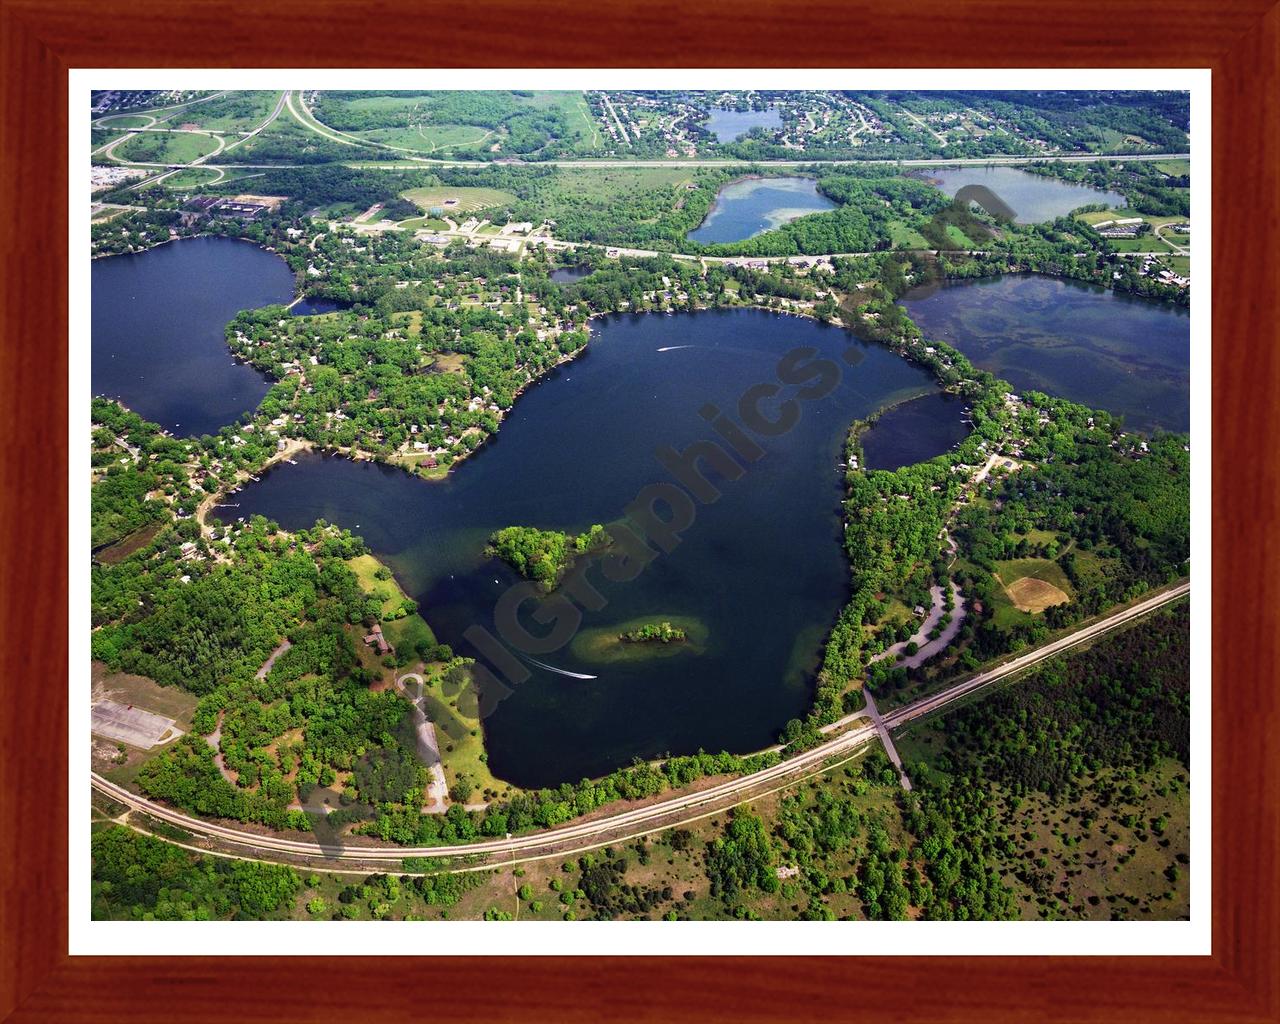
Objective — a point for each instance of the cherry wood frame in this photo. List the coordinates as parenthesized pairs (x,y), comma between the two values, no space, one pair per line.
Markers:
(40,39)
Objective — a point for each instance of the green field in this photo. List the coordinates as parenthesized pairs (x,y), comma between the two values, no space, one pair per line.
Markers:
(467,199)
(463,756)
(904,237)
(165,148)
(388,591)
(197,177)
(429,138)
(1176,168)
(424,224)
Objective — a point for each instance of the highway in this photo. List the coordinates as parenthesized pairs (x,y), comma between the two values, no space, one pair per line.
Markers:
(848,735)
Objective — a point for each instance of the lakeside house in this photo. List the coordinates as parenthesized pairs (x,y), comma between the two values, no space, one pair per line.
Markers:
(376,640)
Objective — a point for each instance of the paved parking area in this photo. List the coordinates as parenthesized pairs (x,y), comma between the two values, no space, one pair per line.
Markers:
(134,726)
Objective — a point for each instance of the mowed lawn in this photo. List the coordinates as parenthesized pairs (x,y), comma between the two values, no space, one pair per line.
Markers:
(466,199)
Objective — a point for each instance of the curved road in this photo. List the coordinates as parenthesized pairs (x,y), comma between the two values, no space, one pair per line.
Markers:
(654,816)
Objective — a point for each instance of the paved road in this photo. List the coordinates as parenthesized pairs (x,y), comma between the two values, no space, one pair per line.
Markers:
(270,117)
(882,730)
(664,813)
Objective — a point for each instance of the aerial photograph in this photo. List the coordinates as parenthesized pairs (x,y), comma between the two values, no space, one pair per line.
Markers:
(623,505)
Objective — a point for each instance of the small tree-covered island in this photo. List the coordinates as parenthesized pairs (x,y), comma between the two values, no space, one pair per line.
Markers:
(802,475)
(654,632)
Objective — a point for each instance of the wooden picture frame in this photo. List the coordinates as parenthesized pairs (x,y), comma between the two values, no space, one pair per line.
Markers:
(42,39)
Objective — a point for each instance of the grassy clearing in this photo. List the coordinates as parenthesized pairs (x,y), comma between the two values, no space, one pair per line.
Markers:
(428,138)
(166,147)
(102,217)
(424,224)
(463,756)
(1034,584)
(388,591)
(1175,168)
(197,177)
(904,237)
(464,199)
(1035,568)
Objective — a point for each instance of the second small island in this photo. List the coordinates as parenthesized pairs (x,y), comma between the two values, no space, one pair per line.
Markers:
(654,632)
(654,636)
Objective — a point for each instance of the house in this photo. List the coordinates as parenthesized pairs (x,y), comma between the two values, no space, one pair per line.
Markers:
(376,640)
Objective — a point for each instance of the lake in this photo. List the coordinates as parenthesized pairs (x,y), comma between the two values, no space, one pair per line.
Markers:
(1127,355)
(567,275)
(1033,198)
(761,570)
(727,125)
(158,321)
(915,431)
(750,206)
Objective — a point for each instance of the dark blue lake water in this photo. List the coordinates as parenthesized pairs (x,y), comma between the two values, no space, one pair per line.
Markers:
(1127,355)
(762,567)
(727,125)
(1033,197)
(753,205)
(915,431)
(158,320)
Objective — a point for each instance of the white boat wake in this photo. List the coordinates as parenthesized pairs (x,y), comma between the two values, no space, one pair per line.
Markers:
(673,348)
(559,671)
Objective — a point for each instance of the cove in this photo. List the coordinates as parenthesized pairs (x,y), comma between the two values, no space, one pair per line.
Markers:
(1034,198)
(761,569)
(317,307)
(1104,349)
(915,431)
(158,319)
(750,206)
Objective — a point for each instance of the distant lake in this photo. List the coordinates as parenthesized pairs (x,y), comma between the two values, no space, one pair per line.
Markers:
(1101,348)
(1034,198)
(915,431)
(567,275)
(745,208)
(727,125)
(158,321)
(762,567)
